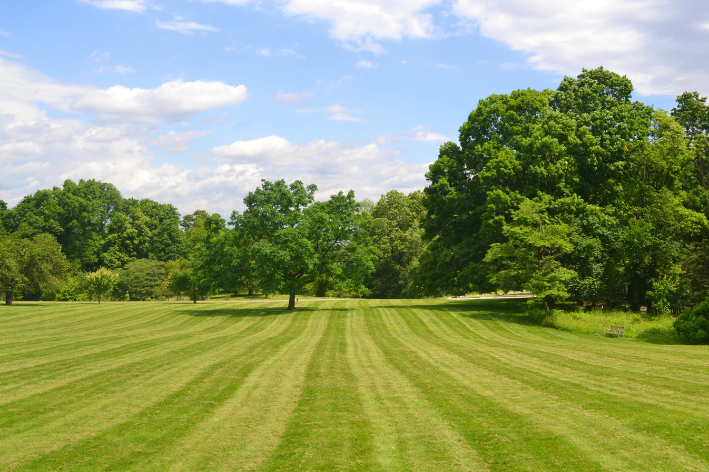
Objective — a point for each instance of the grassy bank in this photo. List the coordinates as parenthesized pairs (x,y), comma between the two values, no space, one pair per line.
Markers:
(370,385)
(656,329)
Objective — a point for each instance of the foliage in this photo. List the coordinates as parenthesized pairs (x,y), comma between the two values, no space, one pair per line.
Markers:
(96,226)
(396,233)
(183,279)
(294,241)
(29,264)
(530,259)
(140,279)
(625,182)
(101,282)
(73,290)
(693,325)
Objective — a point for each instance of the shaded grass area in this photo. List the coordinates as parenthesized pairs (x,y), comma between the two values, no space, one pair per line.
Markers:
(342,385)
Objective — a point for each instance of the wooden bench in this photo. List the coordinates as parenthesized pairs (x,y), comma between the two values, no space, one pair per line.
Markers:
(617,331)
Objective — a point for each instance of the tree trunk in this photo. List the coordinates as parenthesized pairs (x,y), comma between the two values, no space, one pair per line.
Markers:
(194,296)
(291,301)
(546,303)
(99,298)
(251,291)
(8,297)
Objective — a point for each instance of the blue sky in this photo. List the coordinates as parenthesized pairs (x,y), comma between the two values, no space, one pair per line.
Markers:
(193,102)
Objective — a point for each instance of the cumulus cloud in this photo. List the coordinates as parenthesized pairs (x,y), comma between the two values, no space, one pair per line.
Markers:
(366,64)
(172,101)
(177,141)
(293,98)
(660,44)
(37,151)
(127,5)
(358,23)
(184,27)
(369,169)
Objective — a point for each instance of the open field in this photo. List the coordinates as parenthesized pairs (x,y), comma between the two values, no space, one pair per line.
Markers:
(339,385)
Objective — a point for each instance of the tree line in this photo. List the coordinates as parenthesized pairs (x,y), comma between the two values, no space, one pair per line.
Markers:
(577,194)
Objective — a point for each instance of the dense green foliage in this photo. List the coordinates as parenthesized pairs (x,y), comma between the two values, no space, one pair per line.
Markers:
(285,241)
(577,192)
(397,234)
(693,325)
(29,265)
(140,280)
(96,226)
(355,385)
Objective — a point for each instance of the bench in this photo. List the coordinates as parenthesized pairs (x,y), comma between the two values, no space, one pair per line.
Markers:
(617,331)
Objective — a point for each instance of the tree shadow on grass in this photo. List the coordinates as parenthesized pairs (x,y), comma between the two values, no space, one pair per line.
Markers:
(507,310)
(241,312)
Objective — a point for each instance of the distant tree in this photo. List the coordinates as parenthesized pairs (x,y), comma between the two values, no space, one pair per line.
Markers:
(75,214)
(396,232)
(184,279)
(531,258)
(101,282)
(140,279)
(24,263)
(297,241)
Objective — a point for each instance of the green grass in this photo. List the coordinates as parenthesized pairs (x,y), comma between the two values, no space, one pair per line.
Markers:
(339,385)
(651,329)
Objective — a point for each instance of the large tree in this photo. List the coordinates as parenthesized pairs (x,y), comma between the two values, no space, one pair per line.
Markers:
(296,241)
(29,263)
(397,234)
(577,140)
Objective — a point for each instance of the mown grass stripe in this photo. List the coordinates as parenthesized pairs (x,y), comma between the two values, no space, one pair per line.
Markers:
(588,431)
(249,425)
(329,429)
(408,433)
(113,396)
(160,425)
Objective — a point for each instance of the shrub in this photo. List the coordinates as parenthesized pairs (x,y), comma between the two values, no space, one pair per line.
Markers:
(72,291)
(693,325)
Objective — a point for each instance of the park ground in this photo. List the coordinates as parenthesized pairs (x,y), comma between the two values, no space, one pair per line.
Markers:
(375,385)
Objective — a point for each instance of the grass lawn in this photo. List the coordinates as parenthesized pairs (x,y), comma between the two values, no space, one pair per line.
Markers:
(339,385)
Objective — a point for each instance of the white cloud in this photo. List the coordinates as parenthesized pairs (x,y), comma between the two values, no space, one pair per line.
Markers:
(660,44)
(127,5)
(37,151)
(9,54)
(124,69)
(419,133)
(172,101)
(264,52)
(293,98)
(184,27)
(4,33)
(357,23)
(98,56)
(336,112)
(177,141)
(366,64)
(369,169)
